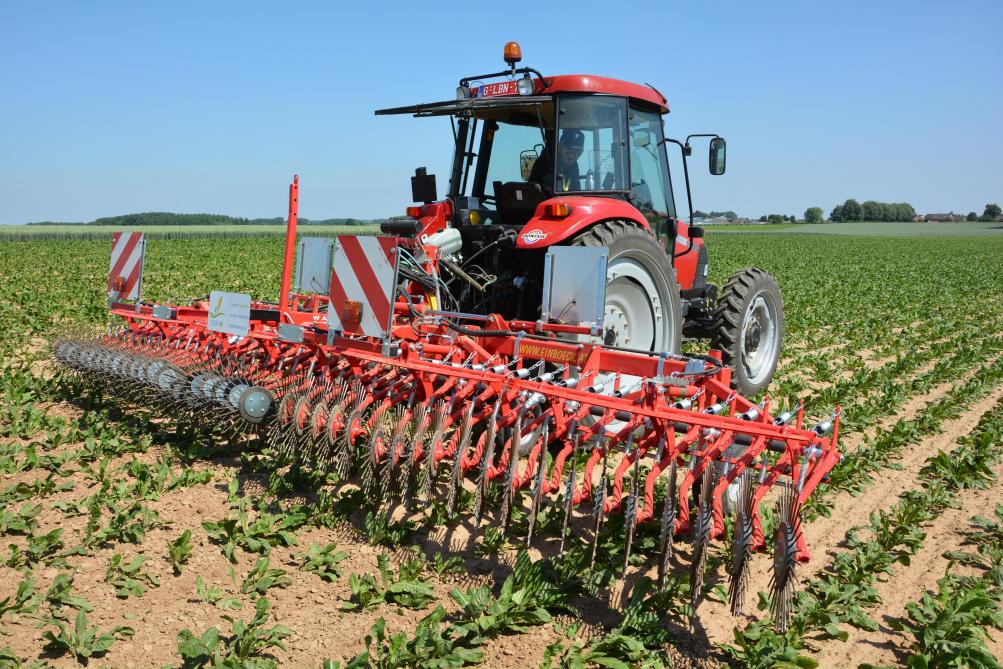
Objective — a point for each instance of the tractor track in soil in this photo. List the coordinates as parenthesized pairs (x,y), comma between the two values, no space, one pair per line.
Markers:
(827,533)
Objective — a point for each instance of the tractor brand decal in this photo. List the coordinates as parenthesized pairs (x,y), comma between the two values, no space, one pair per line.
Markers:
(229,313)
(362,285)
(563,355)
(533,236)
(125,273)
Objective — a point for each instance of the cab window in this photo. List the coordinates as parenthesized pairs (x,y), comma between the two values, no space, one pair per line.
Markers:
(601,164)
(650,189)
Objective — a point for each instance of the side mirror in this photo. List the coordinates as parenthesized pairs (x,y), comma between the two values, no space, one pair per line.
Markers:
(696,232)
(526,161)
(423,187)
(718,153)
(641,138)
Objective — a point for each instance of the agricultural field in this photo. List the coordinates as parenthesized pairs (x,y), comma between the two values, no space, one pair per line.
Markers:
(103,232)
(129,543)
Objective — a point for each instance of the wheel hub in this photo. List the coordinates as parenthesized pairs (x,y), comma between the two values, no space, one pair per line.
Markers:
(616,328)
(759,338)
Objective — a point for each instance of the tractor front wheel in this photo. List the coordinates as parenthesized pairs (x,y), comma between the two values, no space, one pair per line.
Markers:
(749,329)
(643,309)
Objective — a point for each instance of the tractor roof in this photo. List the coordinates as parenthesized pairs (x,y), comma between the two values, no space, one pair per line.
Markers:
(565,83)
(587,83)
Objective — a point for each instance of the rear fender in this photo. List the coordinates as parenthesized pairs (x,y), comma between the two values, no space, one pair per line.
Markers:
(542,230)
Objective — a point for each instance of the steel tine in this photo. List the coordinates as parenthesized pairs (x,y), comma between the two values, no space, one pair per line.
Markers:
(741,546)
(667,531)
(783,582)
(598,508)
(630,507)
(490,436)
(569,488)
(538,482)
(701,537)
(508,498)
(456,477)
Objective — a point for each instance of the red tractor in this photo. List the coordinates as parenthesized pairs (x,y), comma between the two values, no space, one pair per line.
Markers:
(581,160)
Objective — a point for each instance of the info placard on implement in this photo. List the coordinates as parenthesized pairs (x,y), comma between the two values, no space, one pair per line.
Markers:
(229,312)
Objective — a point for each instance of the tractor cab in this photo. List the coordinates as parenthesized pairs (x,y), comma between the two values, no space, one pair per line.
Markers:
(581,160)
(560,142)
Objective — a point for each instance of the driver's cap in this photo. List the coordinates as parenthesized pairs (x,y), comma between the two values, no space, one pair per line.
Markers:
(573,138)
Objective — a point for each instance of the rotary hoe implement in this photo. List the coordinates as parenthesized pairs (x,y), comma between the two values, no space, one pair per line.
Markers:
(423,368)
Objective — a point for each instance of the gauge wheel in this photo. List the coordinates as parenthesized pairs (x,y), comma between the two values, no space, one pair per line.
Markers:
(749,329)
(643,309)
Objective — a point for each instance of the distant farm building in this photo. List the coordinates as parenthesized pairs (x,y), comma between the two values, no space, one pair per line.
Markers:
(943,218)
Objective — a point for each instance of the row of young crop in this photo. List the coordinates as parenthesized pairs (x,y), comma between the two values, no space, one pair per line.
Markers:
(839,595)
(949,625)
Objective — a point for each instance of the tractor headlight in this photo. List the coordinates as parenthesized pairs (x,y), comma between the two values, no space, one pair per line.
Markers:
(462,92)
(526,86)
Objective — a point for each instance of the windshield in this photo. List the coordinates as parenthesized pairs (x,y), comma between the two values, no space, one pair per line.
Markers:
(591,144)
(583,150)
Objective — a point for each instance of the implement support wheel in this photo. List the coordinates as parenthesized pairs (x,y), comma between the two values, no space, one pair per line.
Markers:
(749,329)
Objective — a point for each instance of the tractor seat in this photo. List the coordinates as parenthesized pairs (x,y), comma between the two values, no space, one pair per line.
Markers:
(517,200)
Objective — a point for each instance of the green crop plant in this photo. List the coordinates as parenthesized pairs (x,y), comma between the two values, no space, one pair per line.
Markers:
(214,595)
(24,602)
(22,521)
(262,577)
(949,626)
(404,588)
(60,594)
(83,640)
(248,645)
(257,536)
(323,561)
(380,530)
(129,579)
(179,550)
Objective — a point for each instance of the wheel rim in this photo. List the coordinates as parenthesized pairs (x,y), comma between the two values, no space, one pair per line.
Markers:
(758,342)
(634,315)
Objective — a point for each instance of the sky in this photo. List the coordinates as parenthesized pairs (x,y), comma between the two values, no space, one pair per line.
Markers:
(109,108)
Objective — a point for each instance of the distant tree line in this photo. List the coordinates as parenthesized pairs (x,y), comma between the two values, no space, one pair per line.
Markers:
(730,215)
(776,219)
(851,210)
(153,218)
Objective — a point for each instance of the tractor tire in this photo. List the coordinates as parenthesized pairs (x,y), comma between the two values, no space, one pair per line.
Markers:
(749,329)
(643,308)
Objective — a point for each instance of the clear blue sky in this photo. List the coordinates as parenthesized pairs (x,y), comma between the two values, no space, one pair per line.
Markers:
(119,107)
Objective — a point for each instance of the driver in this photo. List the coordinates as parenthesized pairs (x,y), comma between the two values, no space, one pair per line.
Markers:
(569,149)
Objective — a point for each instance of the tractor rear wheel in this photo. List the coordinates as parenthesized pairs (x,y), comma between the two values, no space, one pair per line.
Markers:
(643,308)
(749,329)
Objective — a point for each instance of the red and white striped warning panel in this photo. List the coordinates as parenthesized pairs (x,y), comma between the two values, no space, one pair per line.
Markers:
(363,274)
(125,274)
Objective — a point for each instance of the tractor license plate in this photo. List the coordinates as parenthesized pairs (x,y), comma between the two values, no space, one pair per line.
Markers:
(498,88)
